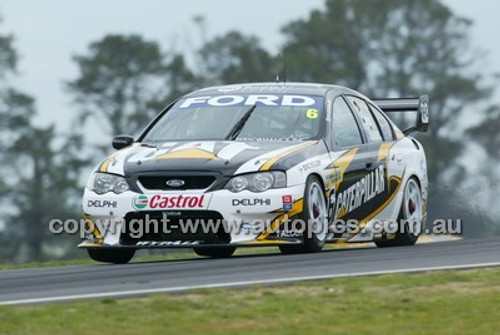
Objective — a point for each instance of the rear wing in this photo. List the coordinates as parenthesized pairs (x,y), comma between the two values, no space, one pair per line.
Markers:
(417,105)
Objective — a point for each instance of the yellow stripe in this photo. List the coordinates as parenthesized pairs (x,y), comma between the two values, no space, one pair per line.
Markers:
(274,159)
(188,154)
(87,245)
(278,221)
(270,242)
(383,154)
(105,165)
(344,161)
(383,151)
(95,231)
(376,212)
(342,213)
(111,159)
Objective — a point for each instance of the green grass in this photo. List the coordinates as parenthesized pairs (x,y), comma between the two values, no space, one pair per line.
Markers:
(463,302)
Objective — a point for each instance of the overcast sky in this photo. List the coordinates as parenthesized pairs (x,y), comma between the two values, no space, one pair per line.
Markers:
(49,32)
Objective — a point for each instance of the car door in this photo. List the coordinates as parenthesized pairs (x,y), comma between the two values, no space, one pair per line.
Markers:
(372,187)
(357,196)
(350,164)
(393,160)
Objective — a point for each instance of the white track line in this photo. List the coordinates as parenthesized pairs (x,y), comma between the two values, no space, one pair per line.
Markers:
(239,284)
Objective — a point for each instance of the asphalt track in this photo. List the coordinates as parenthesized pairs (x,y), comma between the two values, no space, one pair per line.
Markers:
(41,285)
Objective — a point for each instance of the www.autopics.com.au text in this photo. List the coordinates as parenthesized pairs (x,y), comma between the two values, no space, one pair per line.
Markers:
(136,228)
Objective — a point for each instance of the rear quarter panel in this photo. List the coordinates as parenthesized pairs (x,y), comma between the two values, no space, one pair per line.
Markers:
(406,160)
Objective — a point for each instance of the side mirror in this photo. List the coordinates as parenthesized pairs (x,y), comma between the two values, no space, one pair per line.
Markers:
(122,141)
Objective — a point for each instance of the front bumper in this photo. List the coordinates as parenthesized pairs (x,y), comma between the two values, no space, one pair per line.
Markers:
(187,219)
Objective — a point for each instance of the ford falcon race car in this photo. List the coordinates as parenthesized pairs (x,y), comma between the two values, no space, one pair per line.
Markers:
(291,165)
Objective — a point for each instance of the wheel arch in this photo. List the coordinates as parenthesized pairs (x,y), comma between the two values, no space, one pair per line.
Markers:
(319,177)
(421,187)
(417,178)
(399,197)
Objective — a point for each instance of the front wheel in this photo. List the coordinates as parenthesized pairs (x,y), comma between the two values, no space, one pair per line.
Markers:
(115,256)
(215,252)
(315,218)
(410,219)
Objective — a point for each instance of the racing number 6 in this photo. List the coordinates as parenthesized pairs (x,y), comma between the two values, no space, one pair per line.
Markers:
(312,113)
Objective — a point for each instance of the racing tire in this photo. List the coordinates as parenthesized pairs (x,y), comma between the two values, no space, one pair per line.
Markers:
(114,256)
(314,213)
(411,213)
(215,252)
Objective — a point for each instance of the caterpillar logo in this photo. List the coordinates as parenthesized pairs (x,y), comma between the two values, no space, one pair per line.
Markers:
(361,192)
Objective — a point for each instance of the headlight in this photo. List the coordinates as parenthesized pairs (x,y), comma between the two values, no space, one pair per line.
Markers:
(102,183)
(257,182)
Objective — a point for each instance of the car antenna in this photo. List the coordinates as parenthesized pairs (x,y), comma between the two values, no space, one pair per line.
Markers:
(284,67)
(278,68)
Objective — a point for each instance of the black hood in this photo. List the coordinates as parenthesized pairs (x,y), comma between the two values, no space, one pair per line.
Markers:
(223,157)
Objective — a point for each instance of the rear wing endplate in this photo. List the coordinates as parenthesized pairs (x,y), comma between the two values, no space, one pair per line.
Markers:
(418,105)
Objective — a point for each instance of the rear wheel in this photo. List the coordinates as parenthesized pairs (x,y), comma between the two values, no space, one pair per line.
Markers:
(215,252)
(410,217)
(314,216)
(115,256)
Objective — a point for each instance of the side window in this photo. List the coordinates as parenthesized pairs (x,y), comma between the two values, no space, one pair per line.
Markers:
(385,126)
(369,124)
(399,134)
(344,125)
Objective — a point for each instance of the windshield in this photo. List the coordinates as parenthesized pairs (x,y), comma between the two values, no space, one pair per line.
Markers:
(265,117)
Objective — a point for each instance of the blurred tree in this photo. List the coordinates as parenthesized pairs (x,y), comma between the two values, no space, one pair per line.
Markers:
(8,96)
(15,116)
(14,119)
(487,132)
(397,48)
(41,174)
(179,80)
(487,135)
(8,56)
(10,100)
(123,79)
(40,171)
(235,58)
(45,184)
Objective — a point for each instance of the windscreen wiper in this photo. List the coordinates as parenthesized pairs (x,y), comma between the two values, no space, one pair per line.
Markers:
(240,124)
(156,145)
(148,145)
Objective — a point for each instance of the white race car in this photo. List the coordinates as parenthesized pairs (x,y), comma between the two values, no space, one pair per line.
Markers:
(288,164)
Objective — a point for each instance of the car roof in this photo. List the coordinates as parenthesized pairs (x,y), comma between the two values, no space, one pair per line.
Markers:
(273,88)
